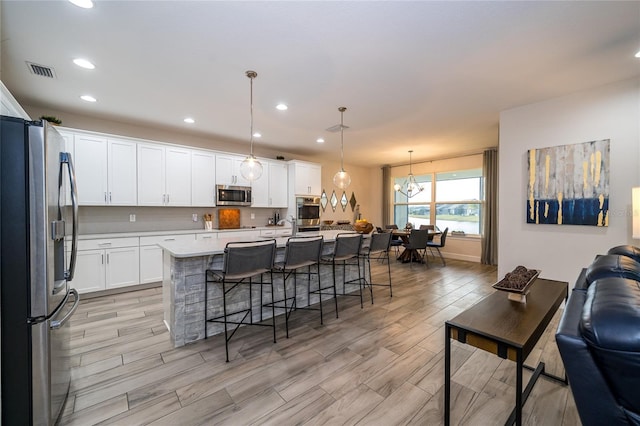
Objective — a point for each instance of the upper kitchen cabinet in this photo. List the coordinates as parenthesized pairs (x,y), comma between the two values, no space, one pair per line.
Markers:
(305,178)
(164,175)
(105,170)
(203,178)
(228,170)
(271,189)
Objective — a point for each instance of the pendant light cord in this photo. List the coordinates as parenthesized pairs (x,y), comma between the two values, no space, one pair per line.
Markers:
(342,110)
(251,75)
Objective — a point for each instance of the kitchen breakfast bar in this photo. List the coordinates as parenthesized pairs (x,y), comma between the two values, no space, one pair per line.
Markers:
(183,288)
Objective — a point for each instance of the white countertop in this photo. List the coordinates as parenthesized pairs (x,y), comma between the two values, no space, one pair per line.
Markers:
(177,232)
(181,249)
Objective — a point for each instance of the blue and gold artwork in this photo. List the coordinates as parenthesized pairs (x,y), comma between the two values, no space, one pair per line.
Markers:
(569,184)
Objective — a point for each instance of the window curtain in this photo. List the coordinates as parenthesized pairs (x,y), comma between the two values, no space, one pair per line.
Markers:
(490,218)
(386,200)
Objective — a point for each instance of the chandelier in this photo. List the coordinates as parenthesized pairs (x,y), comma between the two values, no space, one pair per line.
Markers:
(342,178)
(250,168)
(410,187)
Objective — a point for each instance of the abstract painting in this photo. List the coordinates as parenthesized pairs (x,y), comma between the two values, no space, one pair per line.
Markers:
(569,184)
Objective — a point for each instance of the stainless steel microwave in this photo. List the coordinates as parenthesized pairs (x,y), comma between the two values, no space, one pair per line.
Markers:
(227,195)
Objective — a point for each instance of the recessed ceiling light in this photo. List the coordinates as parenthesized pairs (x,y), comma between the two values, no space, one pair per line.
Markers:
(320,140)
(83,63)
(189,120)
(638,54)
(282,107)
(85,4)
(257,135)
(88,98)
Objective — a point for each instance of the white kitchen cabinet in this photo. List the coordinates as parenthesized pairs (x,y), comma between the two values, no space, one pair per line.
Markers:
(306,178)
(271,189)
(103,264)
(105,171)
(278,184)
(203,179)
(151,255)
(164,176)
(228,170)
(275,232)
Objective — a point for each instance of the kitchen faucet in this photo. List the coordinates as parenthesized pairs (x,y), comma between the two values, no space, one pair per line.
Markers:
(294,225)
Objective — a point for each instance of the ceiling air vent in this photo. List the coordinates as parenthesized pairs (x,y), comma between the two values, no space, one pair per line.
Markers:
(41,70)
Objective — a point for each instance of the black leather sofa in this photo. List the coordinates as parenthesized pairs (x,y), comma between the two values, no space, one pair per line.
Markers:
(599,339)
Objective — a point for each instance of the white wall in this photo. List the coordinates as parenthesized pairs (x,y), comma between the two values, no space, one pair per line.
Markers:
(560,251)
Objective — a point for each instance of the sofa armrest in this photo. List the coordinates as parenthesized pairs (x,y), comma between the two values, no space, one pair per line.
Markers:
(596,405)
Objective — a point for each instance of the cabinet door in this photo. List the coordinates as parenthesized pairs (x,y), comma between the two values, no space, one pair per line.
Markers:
(89,273)
(122,267)
(151,175)
(225,174)
(178,176)
(203,179)
(277,185)
(314,176)
(260,188)
(91,170)
(150,264)
(122,173)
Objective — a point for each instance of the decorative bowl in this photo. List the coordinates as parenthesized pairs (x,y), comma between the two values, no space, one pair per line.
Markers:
(363,227)
(520,291)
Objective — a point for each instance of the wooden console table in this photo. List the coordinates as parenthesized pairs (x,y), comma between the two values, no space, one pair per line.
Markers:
(509,330)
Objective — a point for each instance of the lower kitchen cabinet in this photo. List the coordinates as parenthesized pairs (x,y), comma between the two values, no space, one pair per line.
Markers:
(151,256)
(106,263)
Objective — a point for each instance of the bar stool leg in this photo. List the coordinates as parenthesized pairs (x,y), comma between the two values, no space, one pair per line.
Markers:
(224,311)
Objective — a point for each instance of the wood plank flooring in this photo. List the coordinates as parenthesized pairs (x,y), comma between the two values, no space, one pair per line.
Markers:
(381,365)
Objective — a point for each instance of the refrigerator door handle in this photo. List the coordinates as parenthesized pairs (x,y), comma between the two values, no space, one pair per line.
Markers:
(65,158)
(57,324)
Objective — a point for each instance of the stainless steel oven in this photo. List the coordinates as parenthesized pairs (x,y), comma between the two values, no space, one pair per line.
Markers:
(308,213)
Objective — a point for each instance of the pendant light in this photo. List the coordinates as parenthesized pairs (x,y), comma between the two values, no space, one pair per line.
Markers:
(411,186)
(342,179)
(250,168)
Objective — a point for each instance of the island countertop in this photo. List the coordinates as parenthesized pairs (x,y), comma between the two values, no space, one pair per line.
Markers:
(184,249)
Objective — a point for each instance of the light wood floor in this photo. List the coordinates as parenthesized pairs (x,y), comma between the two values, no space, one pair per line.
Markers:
(381,365)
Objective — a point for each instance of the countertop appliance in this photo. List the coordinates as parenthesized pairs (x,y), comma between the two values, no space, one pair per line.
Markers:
(308,214)
(35,300)
(228,195)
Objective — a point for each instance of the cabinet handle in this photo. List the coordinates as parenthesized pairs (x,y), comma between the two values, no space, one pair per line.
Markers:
(105,197)
(102,259)
(109,197)
(169,239)
(167,198)
(206,237)
(107,257)
(104,244)
(164,198)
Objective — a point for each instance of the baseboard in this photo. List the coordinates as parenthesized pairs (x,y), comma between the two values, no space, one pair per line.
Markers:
(120,290)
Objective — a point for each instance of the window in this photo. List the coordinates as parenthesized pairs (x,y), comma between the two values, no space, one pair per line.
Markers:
(459,201)
(454,202)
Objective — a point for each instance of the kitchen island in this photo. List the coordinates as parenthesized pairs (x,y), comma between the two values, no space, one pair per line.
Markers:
(183,286)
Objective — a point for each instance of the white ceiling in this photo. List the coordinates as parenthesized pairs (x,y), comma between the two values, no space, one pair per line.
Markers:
(427,76)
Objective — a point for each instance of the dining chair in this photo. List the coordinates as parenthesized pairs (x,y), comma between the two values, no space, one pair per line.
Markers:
(396,242)
(377,245)
(438,245)
(300,252)
(418,240)
(241,262)
(346,252)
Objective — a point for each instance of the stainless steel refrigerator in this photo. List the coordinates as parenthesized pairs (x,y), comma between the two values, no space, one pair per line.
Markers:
(36,300)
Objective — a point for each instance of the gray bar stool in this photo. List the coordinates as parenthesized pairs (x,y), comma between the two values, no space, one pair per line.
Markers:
(300,252)
(242,261)
(346,251)
(378,246)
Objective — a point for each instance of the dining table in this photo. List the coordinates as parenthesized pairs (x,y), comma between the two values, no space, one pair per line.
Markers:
(412,254)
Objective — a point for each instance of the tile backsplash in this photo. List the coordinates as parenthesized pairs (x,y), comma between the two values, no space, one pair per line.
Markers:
(102,220)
